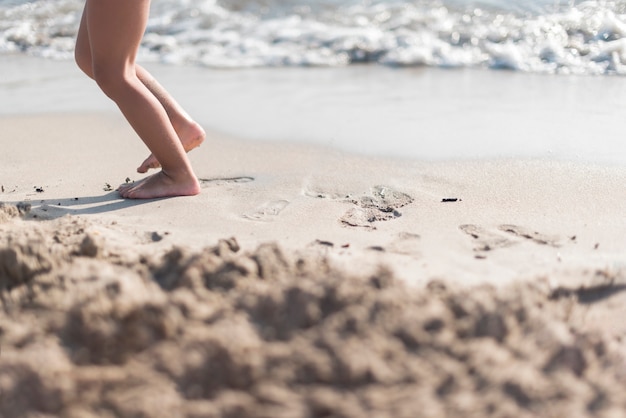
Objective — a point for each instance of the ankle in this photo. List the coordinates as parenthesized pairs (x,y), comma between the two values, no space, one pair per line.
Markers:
(180,175)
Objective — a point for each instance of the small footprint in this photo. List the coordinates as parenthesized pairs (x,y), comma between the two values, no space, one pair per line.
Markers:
(219,181)
(324,195)
(406,243)
(381,204)
(529,234)
(382,198)
(268,211)
(486,240)
(365,217)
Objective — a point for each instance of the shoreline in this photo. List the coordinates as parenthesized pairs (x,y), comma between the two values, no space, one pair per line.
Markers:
(418,114)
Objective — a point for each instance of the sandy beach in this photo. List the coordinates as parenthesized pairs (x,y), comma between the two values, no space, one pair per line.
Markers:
(305,280)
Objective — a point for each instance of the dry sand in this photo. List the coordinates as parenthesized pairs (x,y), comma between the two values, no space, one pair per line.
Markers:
(91,328)
(305,282)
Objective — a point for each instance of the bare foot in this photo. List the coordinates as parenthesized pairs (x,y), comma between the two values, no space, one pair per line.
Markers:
(191,135)
(161,185)
(123,188)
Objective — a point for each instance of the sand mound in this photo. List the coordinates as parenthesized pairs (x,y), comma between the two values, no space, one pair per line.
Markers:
(8,212)
(89,330)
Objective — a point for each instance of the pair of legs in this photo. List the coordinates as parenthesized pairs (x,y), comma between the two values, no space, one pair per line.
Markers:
(108,39)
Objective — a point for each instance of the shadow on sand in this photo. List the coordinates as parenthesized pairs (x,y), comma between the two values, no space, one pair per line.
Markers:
(52,208)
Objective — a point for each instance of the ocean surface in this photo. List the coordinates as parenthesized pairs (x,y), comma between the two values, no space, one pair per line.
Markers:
(538,36)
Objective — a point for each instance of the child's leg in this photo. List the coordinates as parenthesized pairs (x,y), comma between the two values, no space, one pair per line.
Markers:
(115,29)
(189,132)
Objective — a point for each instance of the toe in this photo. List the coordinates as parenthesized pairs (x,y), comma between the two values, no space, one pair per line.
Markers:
(148,164)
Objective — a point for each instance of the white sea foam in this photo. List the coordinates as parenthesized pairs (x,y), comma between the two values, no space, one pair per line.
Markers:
(531,35)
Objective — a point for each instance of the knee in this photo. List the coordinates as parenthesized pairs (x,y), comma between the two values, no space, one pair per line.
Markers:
(112,81)
(83,60)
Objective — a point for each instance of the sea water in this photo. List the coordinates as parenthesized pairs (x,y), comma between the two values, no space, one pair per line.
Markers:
(542,36)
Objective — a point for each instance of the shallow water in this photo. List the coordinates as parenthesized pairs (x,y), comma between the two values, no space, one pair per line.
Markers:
(419,113)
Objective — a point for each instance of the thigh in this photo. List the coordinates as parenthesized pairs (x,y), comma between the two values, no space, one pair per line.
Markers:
(115,29)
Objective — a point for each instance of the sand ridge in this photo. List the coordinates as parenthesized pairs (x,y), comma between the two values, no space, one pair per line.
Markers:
(91,327)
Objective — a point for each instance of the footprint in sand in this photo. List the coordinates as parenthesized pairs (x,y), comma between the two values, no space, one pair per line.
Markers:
(405,243)
(365,217)
(382,198)
(536,237)
(486,240)
(268,211)
(220,181)
(381,204)
(325,195)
